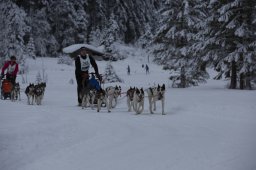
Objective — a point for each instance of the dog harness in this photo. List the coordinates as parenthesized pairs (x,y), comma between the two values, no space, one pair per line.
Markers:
(85,63)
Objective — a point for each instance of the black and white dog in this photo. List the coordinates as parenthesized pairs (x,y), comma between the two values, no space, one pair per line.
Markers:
(39,93)
(155,94)
(101,98)
(35,93)
(43,86)
(112,94)
(15,93)
(88,97)
(130,94)
(138,100)
(30,93)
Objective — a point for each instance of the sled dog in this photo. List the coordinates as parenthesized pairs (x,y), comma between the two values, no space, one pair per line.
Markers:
(15,93)
(130,94)
(138,101)
(43,86)
(88,97)
(112,95)
(38,94)
(101,98)
(155,94)
(30,93)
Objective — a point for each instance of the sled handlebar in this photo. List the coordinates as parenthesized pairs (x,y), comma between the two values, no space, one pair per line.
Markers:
(92,73)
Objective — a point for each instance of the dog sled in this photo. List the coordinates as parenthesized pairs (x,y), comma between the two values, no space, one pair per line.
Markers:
(95,90)
(6,89)
(9,90)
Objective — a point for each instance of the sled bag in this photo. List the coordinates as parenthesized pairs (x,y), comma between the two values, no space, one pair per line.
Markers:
(7,86)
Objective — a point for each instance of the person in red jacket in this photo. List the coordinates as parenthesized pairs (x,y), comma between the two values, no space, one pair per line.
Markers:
(12,68)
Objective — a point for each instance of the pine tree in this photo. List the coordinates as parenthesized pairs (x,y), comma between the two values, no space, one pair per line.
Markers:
(175,39)
(13,30)
(111,33)
(62,22)
(57,24)
(45,43)
(96,37)
(110,75)
(31,48)
(230,39)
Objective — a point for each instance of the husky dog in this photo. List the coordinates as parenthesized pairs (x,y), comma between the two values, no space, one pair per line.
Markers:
(112,94)
(130,94)
(87,94)
(154,94)
(88,97)
(101,98)
(43,86)
(138,101)
(15,93)
(30,93)
(38,94)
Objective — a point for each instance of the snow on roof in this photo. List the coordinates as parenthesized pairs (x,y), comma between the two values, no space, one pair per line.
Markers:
(73,48)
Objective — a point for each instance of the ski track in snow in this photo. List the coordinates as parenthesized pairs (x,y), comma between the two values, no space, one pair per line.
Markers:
(206,127)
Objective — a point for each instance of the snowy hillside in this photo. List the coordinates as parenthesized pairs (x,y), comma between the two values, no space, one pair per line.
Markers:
(205,128)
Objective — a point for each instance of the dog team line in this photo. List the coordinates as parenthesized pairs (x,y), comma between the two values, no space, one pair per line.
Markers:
(107,97)
(135,98)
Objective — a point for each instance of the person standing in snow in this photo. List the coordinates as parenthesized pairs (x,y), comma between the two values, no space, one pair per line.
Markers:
(12,68)
(128,70)
(82,65)
(147,69)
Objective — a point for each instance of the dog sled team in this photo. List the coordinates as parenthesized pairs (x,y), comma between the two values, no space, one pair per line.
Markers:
(108,98)
(89,90)
(11,89)
(33,92)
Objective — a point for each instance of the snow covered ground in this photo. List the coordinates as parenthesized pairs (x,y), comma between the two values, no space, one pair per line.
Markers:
(206,127)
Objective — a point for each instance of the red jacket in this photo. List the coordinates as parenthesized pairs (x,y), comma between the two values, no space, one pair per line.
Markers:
(12,68)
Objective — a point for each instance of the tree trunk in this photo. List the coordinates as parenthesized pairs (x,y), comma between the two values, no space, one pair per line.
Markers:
(203,67)
(248,84)
(242,81)
(233,79)
(182,78)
